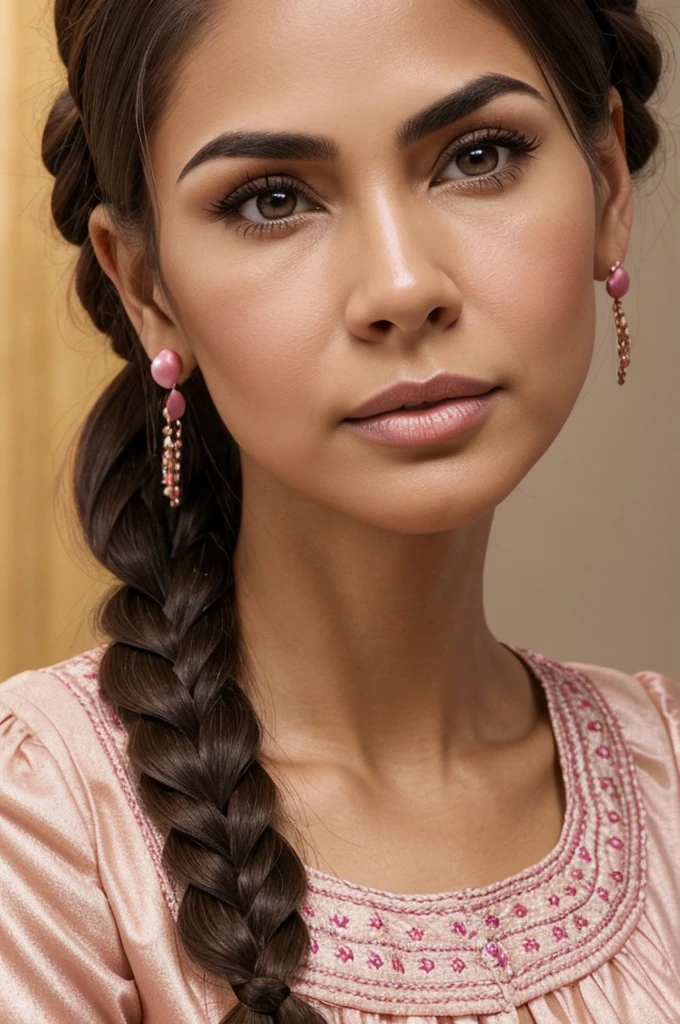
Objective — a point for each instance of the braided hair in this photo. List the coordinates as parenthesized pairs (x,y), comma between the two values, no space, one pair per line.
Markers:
(173,668)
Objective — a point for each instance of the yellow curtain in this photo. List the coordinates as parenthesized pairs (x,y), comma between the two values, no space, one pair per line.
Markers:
(52,370)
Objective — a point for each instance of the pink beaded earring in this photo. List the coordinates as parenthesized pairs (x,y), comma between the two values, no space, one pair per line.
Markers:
(618,284)
(166,369)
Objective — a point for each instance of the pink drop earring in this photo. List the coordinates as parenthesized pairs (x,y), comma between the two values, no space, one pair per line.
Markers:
(618,284)
(166,369)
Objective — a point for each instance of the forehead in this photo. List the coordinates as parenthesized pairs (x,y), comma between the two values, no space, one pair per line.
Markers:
(350,69)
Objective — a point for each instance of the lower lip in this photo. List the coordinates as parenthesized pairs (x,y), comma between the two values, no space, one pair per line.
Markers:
(422,426)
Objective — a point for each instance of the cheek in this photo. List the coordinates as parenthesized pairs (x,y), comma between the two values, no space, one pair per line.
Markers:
(539,289)
(257,337)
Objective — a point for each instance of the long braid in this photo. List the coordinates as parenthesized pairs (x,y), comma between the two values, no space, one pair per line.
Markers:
(172,672)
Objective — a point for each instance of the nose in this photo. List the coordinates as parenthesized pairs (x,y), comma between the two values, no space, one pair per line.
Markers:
(401,284)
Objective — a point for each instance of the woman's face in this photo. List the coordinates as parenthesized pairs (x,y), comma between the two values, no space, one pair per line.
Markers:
(471,249)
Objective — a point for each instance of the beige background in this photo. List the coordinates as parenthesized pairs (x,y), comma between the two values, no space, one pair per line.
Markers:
(584,561)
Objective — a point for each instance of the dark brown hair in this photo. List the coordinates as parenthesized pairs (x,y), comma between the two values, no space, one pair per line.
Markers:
(173,667)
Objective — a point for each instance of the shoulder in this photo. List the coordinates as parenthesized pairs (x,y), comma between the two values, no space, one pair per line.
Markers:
(646,704)
(50,718)
(60,705)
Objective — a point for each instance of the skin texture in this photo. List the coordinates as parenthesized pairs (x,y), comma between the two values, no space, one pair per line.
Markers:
(413,750)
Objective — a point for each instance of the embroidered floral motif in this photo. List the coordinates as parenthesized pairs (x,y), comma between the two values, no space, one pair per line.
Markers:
(475,951)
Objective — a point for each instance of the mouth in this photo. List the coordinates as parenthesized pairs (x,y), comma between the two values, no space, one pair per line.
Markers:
(424,423)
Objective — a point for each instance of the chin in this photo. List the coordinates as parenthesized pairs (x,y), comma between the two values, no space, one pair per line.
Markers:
(424,513)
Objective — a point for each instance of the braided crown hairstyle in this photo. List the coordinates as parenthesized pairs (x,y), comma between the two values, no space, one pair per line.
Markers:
(173,666)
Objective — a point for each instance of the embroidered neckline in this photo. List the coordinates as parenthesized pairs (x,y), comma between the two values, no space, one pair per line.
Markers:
(476,950)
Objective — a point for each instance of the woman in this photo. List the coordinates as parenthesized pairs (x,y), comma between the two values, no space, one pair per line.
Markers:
(347,252)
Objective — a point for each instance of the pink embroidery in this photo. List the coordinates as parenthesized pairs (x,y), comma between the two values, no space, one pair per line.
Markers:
(595,726)
(604,752)
(375,923)
(554,901)
(615,842)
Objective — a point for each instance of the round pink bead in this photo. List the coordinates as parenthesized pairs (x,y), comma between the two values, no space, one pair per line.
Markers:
(176,405)
(618,283)
(166,368)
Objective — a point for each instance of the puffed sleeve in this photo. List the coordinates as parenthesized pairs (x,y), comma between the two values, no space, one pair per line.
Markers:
(61,958)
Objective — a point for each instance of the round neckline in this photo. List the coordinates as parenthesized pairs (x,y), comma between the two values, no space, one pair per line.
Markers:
(565,842)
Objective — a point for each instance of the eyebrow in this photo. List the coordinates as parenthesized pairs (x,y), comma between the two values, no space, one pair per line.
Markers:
(299,146)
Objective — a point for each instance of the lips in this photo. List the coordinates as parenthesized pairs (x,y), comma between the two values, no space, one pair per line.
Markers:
(406,395)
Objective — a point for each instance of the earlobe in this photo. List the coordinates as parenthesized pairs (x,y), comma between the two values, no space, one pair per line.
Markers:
(615,214)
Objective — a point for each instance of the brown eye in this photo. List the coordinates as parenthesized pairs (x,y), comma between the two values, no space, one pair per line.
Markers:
(272,204)
(483,158)
(279,203)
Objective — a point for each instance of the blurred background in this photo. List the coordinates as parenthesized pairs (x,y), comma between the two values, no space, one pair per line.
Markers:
(584,559)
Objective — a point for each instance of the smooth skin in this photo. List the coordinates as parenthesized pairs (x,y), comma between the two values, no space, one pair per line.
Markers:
(413,750)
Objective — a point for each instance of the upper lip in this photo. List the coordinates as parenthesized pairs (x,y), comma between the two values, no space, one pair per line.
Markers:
(414,392)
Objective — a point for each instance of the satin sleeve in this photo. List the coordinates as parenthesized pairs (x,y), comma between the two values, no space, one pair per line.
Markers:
(61,958)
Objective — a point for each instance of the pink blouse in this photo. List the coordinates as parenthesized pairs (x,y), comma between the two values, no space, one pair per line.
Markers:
(590,935)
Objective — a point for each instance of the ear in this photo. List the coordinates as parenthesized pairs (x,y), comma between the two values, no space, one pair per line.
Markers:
(615,200)
(125,264)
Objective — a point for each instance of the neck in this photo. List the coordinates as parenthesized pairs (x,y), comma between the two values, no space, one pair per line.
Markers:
(368,647)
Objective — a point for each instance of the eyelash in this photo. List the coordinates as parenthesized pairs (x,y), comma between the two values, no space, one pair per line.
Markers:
(520,146)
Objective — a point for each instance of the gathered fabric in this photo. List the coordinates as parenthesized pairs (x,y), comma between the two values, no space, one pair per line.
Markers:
(589,935)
